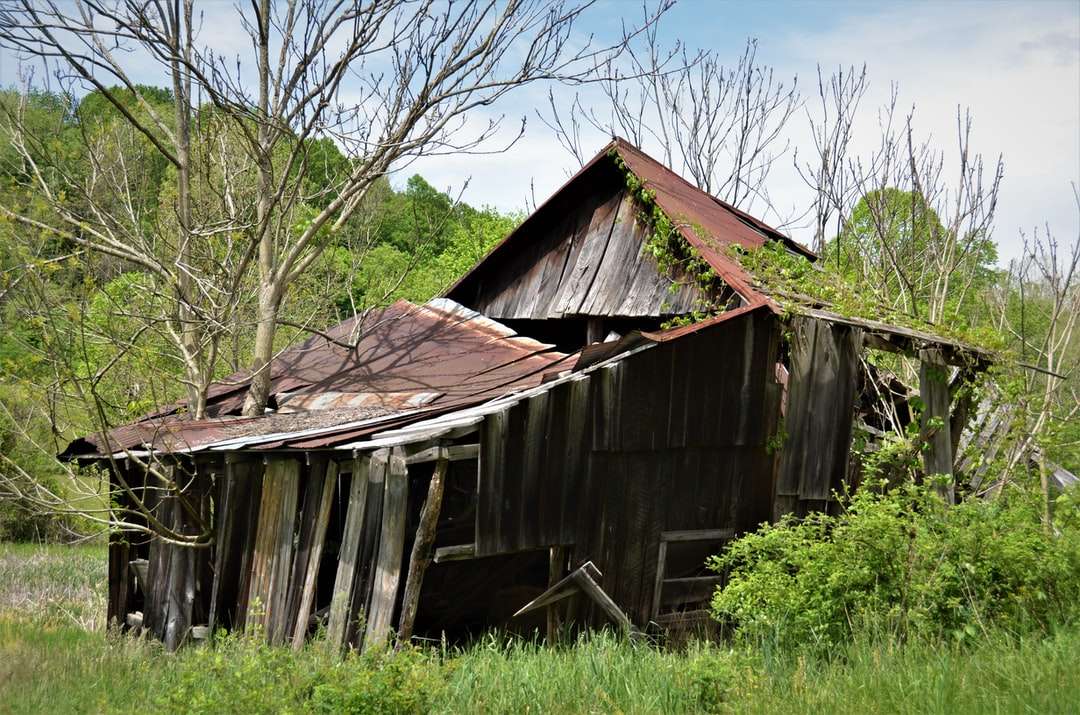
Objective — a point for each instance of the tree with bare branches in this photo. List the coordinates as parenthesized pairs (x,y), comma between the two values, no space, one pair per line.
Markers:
(387,81)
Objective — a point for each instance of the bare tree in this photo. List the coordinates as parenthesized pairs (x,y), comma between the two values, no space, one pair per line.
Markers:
(1045,281)
(721,126)
(826,171)
(916,238)
(388,81)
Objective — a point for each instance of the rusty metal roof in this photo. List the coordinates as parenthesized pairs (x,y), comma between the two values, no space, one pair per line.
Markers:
(408,361)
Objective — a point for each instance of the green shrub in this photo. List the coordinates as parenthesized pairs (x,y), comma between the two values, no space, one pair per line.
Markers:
(903,563)
(405,681)
(237,674)
(714,677)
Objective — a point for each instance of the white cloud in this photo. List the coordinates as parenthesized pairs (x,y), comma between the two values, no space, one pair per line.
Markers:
(1017,67)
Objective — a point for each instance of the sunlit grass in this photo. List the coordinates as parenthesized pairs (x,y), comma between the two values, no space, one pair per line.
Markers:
(55,658)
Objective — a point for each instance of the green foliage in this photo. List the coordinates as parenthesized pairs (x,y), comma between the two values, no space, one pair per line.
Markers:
(793,281)
(240,675)
(883,247)
(674,255)
(53,659)
(72,319)
(902,563)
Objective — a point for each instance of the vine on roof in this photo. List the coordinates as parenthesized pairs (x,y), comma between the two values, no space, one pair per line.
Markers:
(794,281)
(675,257)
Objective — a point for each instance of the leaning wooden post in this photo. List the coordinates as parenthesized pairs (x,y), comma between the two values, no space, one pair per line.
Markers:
(423,548)
(934,390)
(387,576)
(322,520)
(337,624)
(556,559)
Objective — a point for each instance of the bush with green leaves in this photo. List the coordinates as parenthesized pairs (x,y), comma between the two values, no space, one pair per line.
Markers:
(238,674)
(900,562)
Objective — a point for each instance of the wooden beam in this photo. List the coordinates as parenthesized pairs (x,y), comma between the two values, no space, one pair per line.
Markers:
(697,535)
(455,553)
(582,580)
(322,520)
(658,585)
(592,589)
(451,453)
(565,588)
(936,420)
(421,551)
(344,582)
(387,577)
(556,563)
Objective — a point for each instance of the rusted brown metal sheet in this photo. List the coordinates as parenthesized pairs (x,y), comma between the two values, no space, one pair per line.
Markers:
(409,361)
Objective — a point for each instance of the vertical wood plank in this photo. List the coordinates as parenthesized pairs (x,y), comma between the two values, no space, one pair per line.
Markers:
(489,489)
(934,390)
(249,474)
(556,565)
(314,557)
(369,547)
(344,581)
(272,562)
(391,548)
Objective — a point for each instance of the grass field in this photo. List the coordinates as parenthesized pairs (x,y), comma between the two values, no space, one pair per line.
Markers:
(55,658)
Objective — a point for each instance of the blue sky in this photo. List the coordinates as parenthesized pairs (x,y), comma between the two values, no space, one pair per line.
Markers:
(1016,65)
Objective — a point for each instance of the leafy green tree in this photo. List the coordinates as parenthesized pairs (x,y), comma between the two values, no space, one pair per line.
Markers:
(883,248)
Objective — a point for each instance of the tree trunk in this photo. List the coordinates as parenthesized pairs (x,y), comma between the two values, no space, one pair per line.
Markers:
(269,293)
(258,394)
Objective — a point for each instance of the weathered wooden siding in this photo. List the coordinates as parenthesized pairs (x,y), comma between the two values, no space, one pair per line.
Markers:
(820,411)
(588,259)
(672,438)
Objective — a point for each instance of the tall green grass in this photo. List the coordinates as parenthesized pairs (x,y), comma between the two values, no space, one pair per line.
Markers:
(50,663)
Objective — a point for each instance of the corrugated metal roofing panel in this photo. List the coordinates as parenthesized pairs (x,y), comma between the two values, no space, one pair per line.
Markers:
(407,360)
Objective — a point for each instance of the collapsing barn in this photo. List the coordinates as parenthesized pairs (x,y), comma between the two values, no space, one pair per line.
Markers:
(535,450)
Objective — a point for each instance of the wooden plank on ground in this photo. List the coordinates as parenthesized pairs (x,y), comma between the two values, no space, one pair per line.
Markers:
(581,580)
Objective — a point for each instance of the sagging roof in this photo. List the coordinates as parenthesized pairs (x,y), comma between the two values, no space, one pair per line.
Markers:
(409,361)
(415,365)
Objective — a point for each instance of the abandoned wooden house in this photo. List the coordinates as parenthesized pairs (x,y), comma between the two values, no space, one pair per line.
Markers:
(533,451)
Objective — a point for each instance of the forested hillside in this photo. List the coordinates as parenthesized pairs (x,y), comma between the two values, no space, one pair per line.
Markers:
(85,329)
